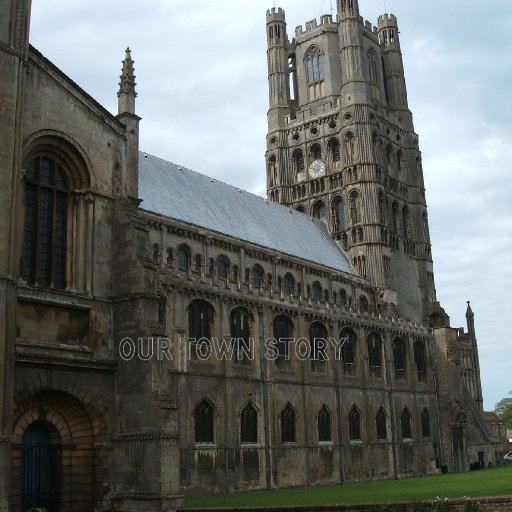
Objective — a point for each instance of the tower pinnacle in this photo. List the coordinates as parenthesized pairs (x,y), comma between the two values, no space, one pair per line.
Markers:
(127,94)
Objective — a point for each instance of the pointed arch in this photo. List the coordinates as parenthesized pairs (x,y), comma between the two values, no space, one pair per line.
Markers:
(240,324)
(249,424)
(420,360)
(372,67)
(355,207)
(288,424)
(338,213)
(350,143)
(315,74)
(381,422)
(324,424)
(298,161)
(204,422)
(272,171)
(334,154)
(405,221)
(354,424)
(406,424)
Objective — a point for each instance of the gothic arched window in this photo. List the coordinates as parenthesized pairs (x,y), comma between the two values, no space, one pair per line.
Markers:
(44,260)
(315,152)
(381,424)
(372,67)
(298,160)
(342,298)
(257,277)
(314,62)
(204,418)
(318,343)
(249,424)
(288,284)
(399,358)
(333,151)
(283,332)
(200,317)
(272,171)
(355,209)
(222,268)
(288,425)
(316,291)
(315,65)
(183,258)
(240,331)
(324,425)
(338,207)
(350,142)
(420,360)
(406,423)
(319,210)
(354,424)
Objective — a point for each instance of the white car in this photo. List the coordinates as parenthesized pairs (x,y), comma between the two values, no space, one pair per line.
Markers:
(508,457)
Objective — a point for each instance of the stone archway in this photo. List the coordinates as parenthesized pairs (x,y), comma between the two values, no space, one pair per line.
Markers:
(54,457)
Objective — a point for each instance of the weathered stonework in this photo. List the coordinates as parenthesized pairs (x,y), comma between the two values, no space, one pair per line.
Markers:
(120,433)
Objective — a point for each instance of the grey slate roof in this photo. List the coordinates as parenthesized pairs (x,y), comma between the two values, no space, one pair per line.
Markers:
(171,190)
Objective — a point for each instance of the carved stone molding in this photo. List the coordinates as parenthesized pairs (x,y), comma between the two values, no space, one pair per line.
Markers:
(143,436)
(5,439)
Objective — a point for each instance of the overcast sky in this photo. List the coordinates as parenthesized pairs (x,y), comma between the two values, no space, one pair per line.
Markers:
(202,85)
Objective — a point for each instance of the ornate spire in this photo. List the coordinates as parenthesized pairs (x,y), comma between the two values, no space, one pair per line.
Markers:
(127,84)
(469,311)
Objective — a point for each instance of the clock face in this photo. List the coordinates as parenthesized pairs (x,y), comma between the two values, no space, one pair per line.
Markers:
(317,169)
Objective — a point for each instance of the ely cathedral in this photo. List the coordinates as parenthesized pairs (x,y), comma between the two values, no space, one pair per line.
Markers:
(104,266)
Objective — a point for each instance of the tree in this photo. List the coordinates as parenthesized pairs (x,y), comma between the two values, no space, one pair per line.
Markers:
(504,411)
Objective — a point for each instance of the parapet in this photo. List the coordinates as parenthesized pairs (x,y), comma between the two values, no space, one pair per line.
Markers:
(276,14)
(387,20)
(325,21)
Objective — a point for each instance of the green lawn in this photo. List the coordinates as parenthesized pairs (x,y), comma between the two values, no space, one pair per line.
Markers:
(488,482)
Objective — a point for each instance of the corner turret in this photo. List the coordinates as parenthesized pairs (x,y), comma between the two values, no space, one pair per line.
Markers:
(278,68)
(394,77)
(354,88)
(348,9)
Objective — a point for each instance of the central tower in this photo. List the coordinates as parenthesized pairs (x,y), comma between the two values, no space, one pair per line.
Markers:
(341,147)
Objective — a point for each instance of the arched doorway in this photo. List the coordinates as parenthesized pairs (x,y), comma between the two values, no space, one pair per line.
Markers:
(41,462)
(57,458)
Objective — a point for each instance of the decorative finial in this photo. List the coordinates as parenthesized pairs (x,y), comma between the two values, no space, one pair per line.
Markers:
(127,84)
